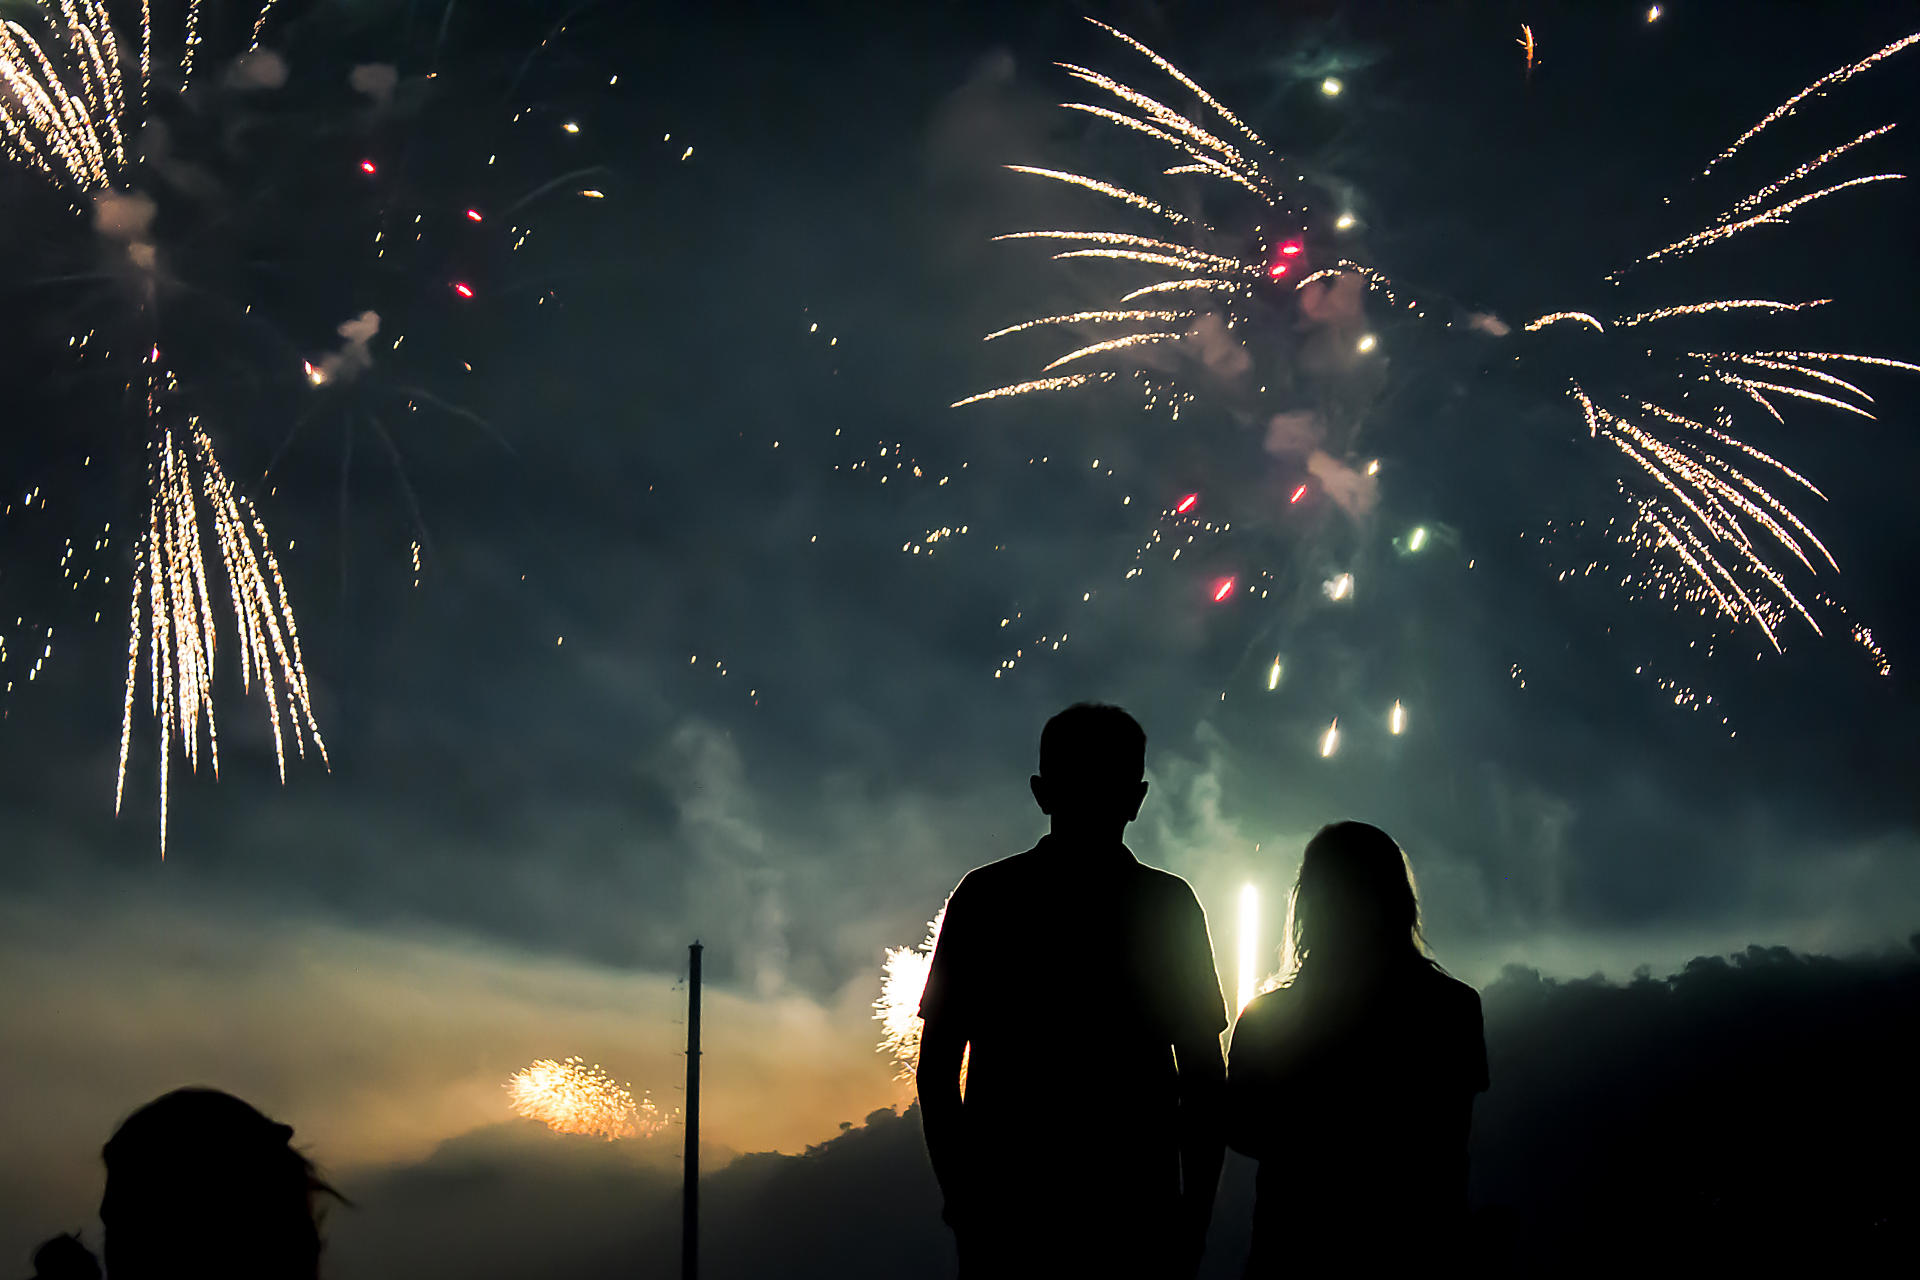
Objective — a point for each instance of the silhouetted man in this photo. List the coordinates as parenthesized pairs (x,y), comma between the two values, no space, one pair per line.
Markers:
(1078,988)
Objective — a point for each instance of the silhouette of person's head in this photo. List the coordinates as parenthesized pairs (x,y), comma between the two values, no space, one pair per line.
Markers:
(1093,761)
(201,1184)
(1354,908)
(65,1258)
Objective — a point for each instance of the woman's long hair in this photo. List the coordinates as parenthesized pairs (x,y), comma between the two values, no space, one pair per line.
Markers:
(1354,912)
(200,1183)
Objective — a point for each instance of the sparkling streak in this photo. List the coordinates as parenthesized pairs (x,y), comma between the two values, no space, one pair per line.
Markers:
(1273,676)
(1107,189)
(1222,589)
(1836,77)
(1397,719)
(1184,81)
(1190,258)
(1774,216)
(1555,317)
(571,1097)
(1725,304)
(1211,283)
(1062,383)
(1825,157)
(1330,740)
(1089,317)
(1115,344)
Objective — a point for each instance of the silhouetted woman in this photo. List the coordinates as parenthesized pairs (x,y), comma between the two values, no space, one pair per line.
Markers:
(1352,1082)
(199,1184)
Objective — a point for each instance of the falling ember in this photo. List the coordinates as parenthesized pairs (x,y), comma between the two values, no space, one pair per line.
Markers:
(1222,589)
(1366,343)
(571,127)
(1397,718)
(1330,740)
(1417,539)
(1331,86)
(571,1097)
(1273,676)
(1373,468)
(591,194)
(1299,492)
(1344,222)
(464,290)
(367,166)
(1338,587)
(473,215)
(1250,974)
(1653,14)
(314,375)
(1186,504)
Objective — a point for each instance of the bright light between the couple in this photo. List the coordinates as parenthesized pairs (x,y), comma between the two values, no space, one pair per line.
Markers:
(1250,974)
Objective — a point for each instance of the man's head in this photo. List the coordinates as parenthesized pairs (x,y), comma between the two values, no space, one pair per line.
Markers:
(1093,758)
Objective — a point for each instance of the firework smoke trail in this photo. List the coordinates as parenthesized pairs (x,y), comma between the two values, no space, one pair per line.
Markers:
(903,977)
(1712,517)
(63,115)
(571,1097)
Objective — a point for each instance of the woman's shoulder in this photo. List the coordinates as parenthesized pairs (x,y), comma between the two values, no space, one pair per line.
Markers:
(1441,989)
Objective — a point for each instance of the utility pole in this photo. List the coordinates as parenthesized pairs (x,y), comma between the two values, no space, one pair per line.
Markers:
(690,1196)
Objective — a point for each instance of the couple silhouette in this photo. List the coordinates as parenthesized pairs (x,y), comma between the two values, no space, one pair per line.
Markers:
(1076,1103)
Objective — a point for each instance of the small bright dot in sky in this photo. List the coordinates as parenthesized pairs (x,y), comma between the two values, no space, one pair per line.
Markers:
(1222,589)
(1290,249)
(1186,504)
(464,290)
(1273,676)
(1417,539)
(366,166)
(1653,14)
(1298,493)
(473,215)
(1277,270)
(1373,468)
(571,127)
(1331,87)
(1345,220)
(1367,343)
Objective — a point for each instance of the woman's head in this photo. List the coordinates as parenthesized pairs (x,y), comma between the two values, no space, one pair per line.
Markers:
(199,1183)
(1354,905)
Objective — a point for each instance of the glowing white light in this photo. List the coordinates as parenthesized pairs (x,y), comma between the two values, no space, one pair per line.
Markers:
(1367,343)
(1273,676)
(1249,945)
(1338,587)
(1330,740)
(1331,87)
(1373,468)
(1417,539)
(1343,222)
(1397,718)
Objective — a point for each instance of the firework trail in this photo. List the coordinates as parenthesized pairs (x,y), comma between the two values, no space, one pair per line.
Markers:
(571,1097)
(64,115)
(1699,495)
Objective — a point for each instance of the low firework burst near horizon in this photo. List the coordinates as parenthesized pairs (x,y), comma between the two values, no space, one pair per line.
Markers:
(568,1096)
(903,978)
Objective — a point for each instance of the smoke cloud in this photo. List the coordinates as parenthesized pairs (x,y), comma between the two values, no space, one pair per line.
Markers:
(377,80)
(257,69)
(353,357)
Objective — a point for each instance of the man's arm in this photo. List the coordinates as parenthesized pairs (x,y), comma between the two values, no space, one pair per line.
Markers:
(1202,1085)
(942,1047)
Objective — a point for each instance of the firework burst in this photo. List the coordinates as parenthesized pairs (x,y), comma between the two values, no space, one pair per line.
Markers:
(568,1096)
(903,977)
(1700,496)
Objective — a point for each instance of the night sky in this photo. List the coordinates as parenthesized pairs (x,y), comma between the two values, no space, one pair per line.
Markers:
(666,672)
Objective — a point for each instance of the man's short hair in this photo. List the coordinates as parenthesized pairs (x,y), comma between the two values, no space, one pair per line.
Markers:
(1093,742)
